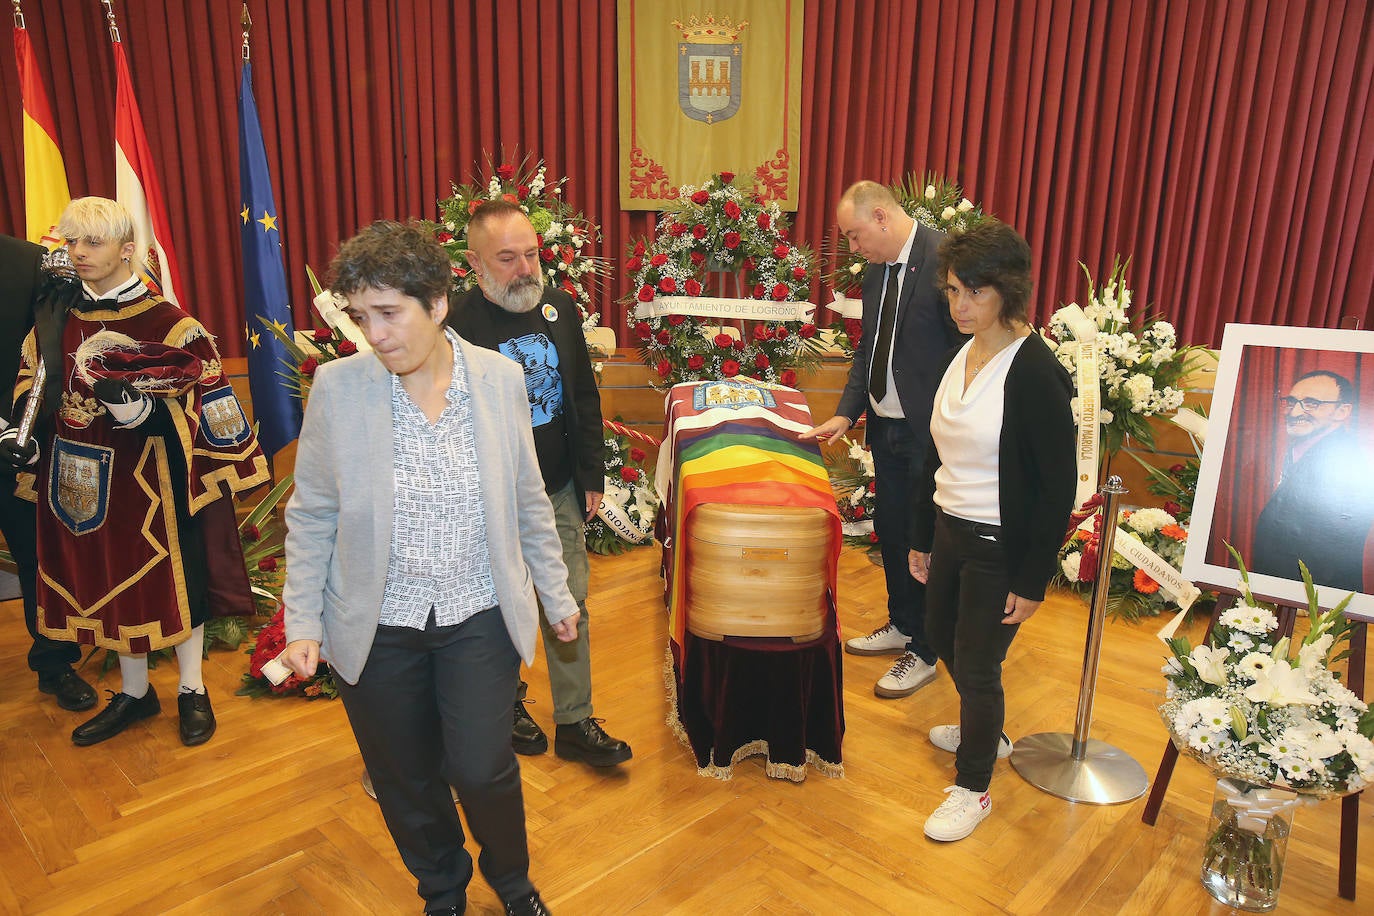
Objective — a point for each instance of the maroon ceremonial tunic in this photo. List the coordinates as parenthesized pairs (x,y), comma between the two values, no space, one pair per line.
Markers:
(110,555)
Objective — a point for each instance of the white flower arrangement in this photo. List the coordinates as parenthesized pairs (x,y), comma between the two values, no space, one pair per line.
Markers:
(1240,704)
(1139,368)
(563,232)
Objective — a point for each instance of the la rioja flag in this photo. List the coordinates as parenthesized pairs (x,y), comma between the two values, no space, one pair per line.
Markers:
(137,187)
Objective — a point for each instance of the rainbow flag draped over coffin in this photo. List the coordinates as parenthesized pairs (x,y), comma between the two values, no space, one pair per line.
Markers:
(735,442)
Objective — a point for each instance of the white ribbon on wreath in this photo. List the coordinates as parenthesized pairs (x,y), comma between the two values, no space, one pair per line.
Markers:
(614,512)
(1089,397)
(846,307)
(713,307)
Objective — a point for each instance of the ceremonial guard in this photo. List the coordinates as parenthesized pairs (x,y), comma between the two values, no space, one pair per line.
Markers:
(140,444)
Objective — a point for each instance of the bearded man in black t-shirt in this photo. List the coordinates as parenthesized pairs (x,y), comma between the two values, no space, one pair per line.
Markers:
(513,313)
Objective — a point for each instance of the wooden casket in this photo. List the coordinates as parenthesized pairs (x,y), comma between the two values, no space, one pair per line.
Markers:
(758,571)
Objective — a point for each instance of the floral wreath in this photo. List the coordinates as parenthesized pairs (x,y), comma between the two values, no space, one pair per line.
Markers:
(563,231)
(719,229)
(630,504)
(1140,365)
(851,477)
(932,201)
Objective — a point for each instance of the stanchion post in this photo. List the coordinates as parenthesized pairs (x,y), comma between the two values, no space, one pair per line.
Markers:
(1076,767)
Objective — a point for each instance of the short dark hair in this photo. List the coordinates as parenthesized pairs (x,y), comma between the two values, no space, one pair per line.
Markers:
(1345,392)
(991,253)
(490,212)
(391,255)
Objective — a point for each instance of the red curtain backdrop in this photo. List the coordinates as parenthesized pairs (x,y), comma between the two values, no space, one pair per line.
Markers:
(1226,145)
(1256,444)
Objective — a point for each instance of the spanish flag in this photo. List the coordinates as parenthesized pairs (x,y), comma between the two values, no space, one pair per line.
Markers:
(45,177)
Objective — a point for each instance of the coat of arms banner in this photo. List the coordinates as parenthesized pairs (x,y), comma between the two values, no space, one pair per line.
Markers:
(707,87)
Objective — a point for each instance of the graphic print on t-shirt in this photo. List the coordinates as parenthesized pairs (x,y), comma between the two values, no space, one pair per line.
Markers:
(537,355)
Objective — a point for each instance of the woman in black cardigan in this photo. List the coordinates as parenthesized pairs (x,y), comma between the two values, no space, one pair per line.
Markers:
(995,501)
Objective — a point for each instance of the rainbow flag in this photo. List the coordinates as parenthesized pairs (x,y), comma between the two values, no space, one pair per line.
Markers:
(736,442)
(137,187)
(45,175)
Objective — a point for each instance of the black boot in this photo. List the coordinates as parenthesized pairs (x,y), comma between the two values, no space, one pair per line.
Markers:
(525,734)
(122,712)
(588,742)
(197,718)
(529,905)
(72,693)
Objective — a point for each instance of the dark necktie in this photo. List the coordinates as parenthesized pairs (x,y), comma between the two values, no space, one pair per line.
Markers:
(887,326)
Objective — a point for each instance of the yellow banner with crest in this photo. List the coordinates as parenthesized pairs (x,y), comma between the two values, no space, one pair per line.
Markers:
(709,87)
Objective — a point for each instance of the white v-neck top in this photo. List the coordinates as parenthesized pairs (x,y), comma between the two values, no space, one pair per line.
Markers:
(966,427)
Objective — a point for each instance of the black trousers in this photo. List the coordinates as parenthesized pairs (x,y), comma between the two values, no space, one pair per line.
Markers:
(898,457)
(966,594)
(433,708)
(18,523)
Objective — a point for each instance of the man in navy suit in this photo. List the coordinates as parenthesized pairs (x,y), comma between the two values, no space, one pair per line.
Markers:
(907,329)
(51,660)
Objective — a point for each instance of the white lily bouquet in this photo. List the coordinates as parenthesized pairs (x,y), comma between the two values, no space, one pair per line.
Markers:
(1140,364)
(1247,709)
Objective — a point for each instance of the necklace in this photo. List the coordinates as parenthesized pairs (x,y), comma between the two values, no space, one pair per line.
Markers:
(977,367)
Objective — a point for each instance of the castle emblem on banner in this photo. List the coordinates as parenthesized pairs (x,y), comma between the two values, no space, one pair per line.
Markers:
(710,68)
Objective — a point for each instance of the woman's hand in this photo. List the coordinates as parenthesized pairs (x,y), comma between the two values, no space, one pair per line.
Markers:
(566,629)
(1018,609)
(919,564)
(303,657)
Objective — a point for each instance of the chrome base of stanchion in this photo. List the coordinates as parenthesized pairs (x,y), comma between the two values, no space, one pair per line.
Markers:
(1105,776)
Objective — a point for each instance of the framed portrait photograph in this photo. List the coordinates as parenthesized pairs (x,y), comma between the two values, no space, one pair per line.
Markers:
(1288,466)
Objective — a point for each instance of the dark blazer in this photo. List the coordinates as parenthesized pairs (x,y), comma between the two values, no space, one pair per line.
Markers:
(1320,513)
(1036,470)
(469,315)
(924,333)
(20,263)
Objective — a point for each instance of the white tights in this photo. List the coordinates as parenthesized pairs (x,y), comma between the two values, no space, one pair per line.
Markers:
(133,669)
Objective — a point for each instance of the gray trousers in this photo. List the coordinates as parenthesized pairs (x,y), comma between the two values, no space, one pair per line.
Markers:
(570,663)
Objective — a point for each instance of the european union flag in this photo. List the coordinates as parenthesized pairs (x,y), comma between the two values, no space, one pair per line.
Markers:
(276,409)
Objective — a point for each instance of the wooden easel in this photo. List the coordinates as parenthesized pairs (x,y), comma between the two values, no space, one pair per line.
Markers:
(1350,805)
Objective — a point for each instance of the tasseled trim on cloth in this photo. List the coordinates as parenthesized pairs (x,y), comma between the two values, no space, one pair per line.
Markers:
(787,771)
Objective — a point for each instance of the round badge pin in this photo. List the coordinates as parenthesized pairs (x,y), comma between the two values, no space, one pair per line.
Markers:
(550,313)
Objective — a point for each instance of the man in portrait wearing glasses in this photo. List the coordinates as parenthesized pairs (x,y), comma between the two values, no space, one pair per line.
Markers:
(1322,508)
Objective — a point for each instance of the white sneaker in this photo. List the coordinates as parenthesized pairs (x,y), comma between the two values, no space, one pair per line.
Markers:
(958,814)
(886,640)
(946,738)
(906,676)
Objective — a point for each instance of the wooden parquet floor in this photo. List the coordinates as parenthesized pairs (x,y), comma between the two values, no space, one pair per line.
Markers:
(269,817)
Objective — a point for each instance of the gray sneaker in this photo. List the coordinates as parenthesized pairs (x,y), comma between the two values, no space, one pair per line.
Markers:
(906,676)
(886,640)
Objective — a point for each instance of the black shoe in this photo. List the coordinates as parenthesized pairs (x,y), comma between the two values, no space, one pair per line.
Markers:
(197,718)
(525,734)
(71,691)
(529,905)
(588,742)
(122,712)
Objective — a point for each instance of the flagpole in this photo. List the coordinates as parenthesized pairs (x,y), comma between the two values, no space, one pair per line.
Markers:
(110,18)
(246,21)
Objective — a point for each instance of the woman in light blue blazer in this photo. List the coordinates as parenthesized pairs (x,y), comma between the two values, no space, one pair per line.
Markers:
(419,535)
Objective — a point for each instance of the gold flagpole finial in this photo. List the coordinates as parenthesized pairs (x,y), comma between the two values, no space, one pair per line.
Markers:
(18,14)
(110,18)
(246,21)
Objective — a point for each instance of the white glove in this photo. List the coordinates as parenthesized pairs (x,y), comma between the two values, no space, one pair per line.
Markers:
(127,405)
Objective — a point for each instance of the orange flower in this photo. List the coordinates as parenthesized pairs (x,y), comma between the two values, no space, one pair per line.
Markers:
(1143,583)
(1177,532)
